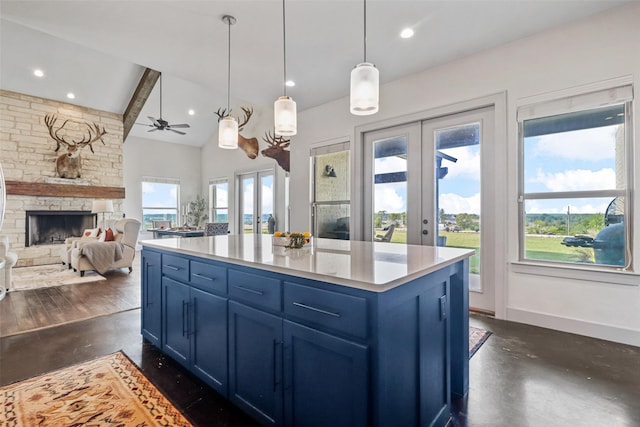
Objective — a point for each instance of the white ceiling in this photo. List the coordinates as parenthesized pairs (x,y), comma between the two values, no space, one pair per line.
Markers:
(98,49)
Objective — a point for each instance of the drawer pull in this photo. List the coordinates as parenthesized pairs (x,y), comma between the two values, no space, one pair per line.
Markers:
(200,276)
(318,310)
(171,267)
(253,291)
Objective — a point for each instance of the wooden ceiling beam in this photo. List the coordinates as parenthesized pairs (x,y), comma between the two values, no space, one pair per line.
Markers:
(139,98)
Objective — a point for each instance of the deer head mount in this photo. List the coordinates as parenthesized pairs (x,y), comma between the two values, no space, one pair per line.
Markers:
(276,150)
(73,135)
(250,146)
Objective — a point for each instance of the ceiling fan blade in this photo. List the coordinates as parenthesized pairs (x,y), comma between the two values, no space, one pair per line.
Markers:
(177,131)
(155,122)
(143,124)
(181,125)
(153,130)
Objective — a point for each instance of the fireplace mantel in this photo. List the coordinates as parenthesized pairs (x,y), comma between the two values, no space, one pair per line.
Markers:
(19,188)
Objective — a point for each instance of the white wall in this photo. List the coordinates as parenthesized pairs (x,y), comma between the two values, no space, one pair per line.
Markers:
(195,167)
(220,163)
(599,48)
(148,158)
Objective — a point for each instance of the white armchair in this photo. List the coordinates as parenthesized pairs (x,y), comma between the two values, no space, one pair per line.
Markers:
(10,259)
(99,256)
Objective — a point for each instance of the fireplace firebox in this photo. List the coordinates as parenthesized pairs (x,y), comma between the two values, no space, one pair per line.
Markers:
(53,227)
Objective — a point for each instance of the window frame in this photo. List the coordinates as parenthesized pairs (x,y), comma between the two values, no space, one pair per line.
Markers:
(593,97)
(157,180)
(213,208)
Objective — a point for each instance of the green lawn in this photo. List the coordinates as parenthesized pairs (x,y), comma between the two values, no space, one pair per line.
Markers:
(547,248)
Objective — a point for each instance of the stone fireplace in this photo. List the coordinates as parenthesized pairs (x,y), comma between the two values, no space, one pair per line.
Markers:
(53,227)
(29,162)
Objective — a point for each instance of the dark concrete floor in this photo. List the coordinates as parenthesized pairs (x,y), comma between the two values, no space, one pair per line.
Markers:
(522,375)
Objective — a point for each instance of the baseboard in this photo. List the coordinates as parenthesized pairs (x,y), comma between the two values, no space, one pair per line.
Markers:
(575,326)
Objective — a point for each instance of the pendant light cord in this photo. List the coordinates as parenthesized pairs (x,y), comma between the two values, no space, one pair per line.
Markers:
(365,30)
(229,67)
(160,96)
(284,44)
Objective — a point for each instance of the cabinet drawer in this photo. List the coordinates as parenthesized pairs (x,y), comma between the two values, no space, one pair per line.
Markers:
(176,267)
(255,289)
(333,310)
(209,277)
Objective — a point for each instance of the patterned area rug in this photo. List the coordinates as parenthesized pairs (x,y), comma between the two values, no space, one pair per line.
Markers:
(45,276)
(477,337)
(106,391)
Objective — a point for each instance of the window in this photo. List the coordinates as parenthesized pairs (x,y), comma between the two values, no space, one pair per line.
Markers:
(160,201)
(219,200)
(331,191)
(574,179)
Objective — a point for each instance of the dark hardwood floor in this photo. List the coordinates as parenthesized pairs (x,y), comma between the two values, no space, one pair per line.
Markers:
(27,310)
(522,376)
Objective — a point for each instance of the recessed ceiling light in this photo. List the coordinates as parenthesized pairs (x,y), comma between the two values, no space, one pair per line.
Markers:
(70,95)
(290,83)
(192,112)
(407,33)
(38,73)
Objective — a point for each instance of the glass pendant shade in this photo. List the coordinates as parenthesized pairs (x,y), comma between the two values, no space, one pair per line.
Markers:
(228,133)
(365,81)
(285,116)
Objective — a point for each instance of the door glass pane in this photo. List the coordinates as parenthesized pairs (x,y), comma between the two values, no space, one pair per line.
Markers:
(266,198)
(458,192)
(390,190)
(332,177)
(332,221)
(331,182)
(247,204)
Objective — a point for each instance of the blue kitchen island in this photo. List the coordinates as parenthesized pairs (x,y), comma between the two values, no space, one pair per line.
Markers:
(340,333)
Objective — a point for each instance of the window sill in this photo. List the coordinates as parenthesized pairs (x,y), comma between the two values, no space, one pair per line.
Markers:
(616,277)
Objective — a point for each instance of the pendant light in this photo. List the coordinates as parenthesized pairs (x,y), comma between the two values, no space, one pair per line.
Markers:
(284,108)
(228,125)
(364,82)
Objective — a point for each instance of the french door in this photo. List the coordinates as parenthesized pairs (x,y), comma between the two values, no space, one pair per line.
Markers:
(256,201)
(427,183)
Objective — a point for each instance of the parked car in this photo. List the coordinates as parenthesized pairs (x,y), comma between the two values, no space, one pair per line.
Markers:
(578,240)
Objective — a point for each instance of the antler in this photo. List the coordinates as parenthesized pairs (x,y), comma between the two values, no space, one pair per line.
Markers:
(276,141)
(50,120)
(95,133)
(222,113)
(92,137)
(248,112)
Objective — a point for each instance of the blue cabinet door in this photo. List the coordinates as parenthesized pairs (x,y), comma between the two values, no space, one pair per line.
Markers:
(175,297)
(325,379)
(435,362)
(151,297)
(255,363)
(209,339)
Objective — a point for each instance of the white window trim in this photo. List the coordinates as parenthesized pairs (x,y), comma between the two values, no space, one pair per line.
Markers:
(212,206)
(614,91)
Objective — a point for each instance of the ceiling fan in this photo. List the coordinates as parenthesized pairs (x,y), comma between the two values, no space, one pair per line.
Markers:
(159,123)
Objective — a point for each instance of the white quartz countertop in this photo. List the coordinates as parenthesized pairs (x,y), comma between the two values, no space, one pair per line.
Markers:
(373,266)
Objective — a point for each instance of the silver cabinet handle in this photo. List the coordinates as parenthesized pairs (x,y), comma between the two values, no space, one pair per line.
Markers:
(253,291)
(200,276)
(171,267)
(318,310)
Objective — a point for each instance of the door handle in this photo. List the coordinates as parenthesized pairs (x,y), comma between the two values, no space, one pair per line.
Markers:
(251,291)
(276,343)
(200,276)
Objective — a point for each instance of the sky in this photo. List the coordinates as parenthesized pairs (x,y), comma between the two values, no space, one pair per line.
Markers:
(568,161)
